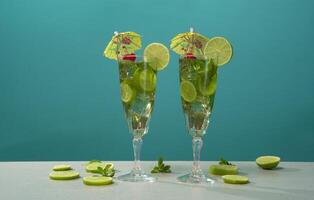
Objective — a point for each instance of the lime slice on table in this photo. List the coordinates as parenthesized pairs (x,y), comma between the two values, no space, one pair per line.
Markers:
(223,169)
(219,49)
(188,91)
(157,55)
(93,167)
(205,88)
(235,179)
(147,80)
(126,92)
(268,162)
(97,180)
(61,167)
(64,175)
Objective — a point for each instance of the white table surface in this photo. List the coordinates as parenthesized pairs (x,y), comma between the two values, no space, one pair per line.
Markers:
(29,180)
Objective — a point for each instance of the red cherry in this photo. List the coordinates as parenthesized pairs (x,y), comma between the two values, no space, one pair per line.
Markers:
(130,57)
(190,56)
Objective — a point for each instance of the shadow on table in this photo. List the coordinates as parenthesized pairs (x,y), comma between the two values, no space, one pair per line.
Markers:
(251,191)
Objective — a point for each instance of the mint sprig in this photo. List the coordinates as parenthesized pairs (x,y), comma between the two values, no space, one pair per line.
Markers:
(161,167)
(224,162)
(106,171)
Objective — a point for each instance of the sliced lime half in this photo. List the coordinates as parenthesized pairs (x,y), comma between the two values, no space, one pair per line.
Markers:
(126,92)
(188,91)
(268,162)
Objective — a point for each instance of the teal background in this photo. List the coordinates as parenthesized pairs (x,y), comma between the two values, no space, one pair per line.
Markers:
(59,98)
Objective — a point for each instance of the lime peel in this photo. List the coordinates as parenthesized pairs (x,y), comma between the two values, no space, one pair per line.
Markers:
(235,179)
(64,175)
(223,169)
(97,180)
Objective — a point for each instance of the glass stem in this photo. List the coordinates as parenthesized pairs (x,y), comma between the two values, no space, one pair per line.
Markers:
(137,144)
(197,144)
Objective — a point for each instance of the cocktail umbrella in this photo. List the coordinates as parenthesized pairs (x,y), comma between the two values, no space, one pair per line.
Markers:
(189,43)
(123,44)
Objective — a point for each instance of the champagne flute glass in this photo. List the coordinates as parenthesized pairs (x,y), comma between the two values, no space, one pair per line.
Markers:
(198,77)
(137,86)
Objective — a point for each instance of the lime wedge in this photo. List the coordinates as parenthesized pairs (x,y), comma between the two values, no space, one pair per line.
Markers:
(205,88)
(188,91)
(235,179)
(157,55)
(64,175)
(223,169)
(61,167)
(219,49)
(126,92)
(97,180)
(268,162)
(93,167)
(147,80)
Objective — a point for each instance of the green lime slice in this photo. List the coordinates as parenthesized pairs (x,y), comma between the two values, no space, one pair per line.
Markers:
(235,179)
(207,86)
(126,92)
(268,162)
(61,167)
(97,180)
(64,175)
(157,55)
(93,167)
(223,169)
(188,91)
(219,49)
(147,80)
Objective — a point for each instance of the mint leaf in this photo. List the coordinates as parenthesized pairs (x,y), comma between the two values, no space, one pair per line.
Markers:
(160,161)
(224,162)
(161,167)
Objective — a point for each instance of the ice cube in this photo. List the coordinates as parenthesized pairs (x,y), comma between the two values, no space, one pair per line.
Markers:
(127,70)
(142,105)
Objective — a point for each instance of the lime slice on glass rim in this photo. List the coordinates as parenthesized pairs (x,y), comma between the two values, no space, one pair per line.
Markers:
(223,169)
(268,162)
(157,55)
(97,180)
(235,179)
(61,167)
(147,80)
(64,175)
(126,92)
(188,91)
(93,167)
(218,49)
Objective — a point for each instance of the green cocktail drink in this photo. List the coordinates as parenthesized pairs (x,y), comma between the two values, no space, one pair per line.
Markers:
(137,85)
(138,79)
(198,79)
(198,64)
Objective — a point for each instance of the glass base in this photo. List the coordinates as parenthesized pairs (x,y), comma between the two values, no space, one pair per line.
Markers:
(138,177)
(189,178)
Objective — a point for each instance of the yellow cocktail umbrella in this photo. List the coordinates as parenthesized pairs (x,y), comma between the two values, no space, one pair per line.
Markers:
(189,42)
(123,44)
